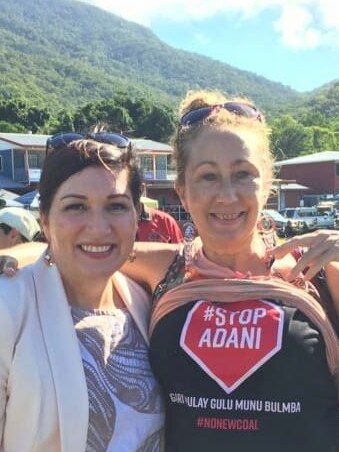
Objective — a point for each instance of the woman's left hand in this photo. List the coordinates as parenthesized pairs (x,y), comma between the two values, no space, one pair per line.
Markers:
(319,249)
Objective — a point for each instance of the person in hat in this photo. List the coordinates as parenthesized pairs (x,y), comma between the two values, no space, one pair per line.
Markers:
(154,225)
(17,225)
(157,226)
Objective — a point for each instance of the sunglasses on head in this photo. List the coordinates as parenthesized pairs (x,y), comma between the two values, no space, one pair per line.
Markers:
(238,108)
(64,138)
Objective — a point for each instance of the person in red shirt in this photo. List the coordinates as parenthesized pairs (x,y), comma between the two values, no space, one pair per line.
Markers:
(157,226)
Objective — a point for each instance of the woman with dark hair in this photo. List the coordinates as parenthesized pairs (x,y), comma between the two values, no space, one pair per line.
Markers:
(74,367)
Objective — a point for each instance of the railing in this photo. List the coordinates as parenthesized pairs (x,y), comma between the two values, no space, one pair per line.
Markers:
(161,175)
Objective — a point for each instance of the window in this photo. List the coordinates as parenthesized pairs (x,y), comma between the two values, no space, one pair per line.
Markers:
(161,167)
(337,169)
(289,213)
(146,164)
(32,161)
(1,167)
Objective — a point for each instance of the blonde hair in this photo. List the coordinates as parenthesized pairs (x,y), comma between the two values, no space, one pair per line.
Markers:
(224,121)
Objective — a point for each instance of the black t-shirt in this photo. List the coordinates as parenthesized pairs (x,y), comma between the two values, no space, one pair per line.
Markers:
(244,376)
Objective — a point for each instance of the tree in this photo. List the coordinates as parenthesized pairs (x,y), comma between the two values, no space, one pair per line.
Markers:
(63,122)
(159,125)
(35,118)
(289,138)
(7,127)
(324,139)
(18,111)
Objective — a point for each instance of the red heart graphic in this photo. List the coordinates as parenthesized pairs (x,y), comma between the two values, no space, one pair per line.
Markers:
(230,341)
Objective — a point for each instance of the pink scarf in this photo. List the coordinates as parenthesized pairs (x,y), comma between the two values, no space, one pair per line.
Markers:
(210,281)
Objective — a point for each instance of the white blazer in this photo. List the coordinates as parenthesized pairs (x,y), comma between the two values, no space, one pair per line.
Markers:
(43,393)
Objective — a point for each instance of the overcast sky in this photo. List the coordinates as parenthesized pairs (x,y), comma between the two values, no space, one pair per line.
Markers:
(295,42)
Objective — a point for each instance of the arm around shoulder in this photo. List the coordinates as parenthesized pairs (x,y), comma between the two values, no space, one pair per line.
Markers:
(332,278)
(150,262)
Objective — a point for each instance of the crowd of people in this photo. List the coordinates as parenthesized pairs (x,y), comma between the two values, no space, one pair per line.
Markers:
(226,340)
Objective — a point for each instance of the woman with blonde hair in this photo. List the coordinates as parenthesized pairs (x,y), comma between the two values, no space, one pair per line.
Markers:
(246,358)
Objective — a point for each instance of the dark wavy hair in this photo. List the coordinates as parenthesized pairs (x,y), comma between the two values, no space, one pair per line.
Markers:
(68,159)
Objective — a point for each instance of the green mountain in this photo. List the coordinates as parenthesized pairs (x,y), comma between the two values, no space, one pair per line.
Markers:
(64,53)
(322,101)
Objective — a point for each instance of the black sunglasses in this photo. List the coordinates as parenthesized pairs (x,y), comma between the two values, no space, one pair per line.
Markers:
(64,138)
(247,110)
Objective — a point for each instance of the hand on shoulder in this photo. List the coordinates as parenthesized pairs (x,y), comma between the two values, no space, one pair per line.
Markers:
(20,255)
(150,263)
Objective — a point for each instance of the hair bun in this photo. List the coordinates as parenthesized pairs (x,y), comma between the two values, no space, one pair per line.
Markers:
(199,99)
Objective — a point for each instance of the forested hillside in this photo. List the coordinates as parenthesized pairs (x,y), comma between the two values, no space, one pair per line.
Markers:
(65,65)
(49,48)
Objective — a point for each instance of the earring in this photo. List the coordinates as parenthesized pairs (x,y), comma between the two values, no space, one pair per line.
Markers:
(131,257)
(189,232)
(266,228)
(48,258)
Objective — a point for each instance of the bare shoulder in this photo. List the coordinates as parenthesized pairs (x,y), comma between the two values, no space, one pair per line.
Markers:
(25,253)
(151,262)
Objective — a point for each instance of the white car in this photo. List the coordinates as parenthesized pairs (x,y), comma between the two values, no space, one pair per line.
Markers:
(306,219)
(279,221)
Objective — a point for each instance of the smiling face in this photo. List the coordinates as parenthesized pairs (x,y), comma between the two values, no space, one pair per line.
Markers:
(91,224)
(224,189)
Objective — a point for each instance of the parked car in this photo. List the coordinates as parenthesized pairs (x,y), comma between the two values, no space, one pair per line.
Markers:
(279,221)
(325,220)
(300,219)
(326,213)
(336,219)
(306,219)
